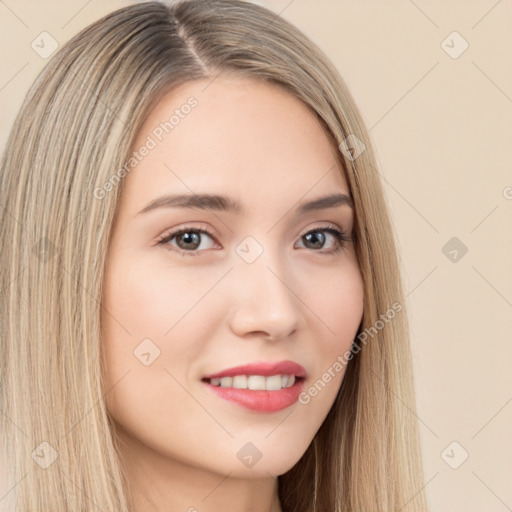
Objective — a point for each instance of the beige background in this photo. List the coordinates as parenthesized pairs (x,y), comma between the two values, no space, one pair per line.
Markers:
(442,129)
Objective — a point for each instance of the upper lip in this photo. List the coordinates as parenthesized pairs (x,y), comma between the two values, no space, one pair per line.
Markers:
(265,369)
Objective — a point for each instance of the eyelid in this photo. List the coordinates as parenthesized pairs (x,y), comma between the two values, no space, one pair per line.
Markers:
(171,233)
(322,226)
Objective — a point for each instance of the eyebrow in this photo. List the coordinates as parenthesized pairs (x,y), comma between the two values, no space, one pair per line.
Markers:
(227,204)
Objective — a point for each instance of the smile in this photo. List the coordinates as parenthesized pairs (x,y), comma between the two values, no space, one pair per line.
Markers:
(255,382)
(257,393)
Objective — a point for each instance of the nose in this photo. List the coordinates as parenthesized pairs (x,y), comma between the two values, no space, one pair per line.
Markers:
(264,302)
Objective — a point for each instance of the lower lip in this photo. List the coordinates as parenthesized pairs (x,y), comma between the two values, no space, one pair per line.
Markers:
(261,401)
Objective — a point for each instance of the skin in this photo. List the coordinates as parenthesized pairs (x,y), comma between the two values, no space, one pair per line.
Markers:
(258,144)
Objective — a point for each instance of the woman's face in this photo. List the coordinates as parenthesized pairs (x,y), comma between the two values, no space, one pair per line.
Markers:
(265,283)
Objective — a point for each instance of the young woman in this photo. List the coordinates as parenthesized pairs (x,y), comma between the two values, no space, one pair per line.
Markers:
(201,307)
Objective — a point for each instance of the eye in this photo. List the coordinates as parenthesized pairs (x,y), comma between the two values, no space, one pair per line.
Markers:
(189,240)
(340,238)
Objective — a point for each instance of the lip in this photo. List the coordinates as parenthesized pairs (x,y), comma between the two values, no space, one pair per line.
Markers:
(265,369)
(261,400)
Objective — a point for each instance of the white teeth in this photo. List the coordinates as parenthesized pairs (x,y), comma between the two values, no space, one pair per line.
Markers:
(240,382)
(274,382)
(255,382)
(226,382)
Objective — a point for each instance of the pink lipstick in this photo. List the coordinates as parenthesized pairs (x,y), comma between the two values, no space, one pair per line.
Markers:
(261,387)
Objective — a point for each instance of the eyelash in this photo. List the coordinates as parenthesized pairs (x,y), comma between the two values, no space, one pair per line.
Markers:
(340,236)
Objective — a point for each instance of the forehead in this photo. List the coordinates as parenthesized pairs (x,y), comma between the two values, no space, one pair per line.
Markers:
(236,136)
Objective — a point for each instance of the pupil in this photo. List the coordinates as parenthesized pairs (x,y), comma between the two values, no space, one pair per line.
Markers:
(316,237)
(190,238)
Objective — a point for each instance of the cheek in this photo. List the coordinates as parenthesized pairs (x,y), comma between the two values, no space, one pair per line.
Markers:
(140,307)
(151,315)
(339,305)
(157,296)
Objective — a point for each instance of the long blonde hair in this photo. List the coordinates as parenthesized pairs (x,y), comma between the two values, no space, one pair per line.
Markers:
(74,130)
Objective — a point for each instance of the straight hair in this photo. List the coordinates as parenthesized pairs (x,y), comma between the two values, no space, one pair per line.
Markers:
(75,129)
